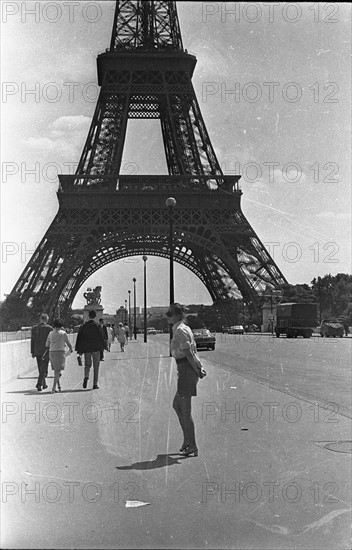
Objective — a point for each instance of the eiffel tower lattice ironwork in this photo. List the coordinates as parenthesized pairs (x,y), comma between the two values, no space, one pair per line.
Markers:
(104,216)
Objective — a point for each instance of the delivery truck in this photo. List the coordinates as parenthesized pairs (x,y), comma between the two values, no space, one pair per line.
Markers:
(296,319)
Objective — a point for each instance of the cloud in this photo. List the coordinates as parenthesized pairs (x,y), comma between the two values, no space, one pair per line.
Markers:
(69,124)
(67,134)
(44,144)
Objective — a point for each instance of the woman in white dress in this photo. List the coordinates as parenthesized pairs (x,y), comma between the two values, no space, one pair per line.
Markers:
(56,343)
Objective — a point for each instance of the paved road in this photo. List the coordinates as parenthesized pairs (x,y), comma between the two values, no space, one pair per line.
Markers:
(273,470)
(316,369)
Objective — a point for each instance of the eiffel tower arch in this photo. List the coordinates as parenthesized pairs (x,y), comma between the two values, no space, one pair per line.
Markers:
(104,216)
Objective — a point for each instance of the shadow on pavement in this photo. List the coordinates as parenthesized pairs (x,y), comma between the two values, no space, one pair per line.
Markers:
(142,357)
(45,392)
(160,462)
(30,377)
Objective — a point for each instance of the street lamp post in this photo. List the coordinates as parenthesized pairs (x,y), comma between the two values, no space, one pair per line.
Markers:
(134,309)
(171,203)
(129,310)
(145,258)
(126,311)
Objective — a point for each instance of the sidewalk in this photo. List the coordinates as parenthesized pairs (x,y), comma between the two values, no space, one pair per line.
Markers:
(264,477)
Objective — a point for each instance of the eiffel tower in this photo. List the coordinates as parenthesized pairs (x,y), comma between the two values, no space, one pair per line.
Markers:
(104,216)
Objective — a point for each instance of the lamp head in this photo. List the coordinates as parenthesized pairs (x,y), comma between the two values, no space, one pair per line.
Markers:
(170,202)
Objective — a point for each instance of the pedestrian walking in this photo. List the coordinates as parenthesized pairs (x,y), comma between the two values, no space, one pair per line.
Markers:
(56,343)
(184,350)
(39,335)
(90,342)
(127,331)
(105,337)
(110,336)
(121,336)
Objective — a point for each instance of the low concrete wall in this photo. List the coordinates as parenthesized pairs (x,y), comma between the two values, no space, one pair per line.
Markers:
(16,358)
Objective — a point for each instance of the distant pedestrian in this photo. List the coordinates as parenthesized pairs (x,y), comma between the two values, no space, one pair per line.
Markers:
(121,336)
(113,332)
(127,330)
(90,342)
(110,336)
(56,343)
(184,350)
(105,337)
(346,328)
(38,340)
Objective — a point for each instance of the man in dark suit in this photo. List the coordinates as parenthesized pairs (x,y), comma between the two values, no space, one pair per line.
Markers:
(90,342)
(38,339)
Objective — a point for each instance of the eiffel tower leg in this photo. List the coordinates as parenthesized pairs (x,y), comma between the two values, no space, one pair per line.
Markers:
(54,269)
(39,280)
(187,144)
(102,153)
(231,258)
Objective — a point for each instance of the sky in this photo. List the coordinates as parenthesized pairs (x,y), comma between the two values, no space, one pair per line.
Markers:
(273,84)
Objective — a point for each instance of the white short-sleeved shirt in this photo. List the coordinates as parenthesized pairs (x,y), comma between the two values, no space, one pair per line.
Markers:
(182,339)
(57,339)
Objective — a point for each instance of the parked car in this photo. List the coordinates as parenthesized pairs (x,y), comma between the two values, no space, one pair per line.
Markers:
(152,330)
(204,338)
(236,329)
(331,328)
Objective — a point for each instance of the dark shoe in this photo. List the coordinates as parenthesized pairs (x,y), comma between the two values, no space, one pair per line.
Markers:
(39,389)
(187,451)
(95,387)
(45,387)
(184,446)
(85,382)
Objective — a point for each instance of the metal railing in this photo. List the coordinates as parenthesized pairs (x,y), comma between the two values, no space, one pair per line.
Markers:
(147,183)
